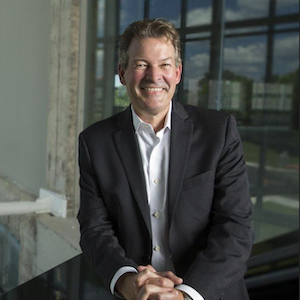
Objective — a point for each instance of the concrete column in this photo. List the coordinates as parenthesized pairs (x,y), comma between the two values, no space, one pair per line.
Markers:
(63,86)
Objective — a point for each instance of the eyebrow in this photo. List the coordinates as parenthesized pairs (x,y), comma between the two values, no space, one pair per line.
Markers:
(141,59)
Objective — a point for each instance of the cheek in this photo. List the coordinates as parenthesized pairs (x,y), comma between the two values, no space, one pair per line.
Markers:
(132,78)
(171,78)
(136,75)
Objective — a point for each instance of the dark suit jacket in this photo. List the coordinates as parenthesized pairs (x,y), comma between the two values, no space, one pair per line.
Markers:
(209,208)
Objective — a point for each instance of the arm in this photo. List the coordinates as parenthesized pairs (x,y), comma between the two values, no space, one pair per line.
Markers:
(229,240)
(149,284)
(98,240)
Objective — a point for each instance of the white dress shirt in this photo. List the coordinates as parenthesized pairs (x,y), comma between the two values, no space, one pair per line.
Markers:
(155,150)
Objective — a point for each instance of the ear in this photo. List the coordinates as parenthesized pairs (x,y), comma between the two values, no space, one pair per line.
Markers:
(178,73)
(121,75)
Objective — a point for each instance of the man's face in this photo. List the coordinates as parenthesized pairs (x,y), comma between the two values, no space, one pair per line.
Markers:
(151,75)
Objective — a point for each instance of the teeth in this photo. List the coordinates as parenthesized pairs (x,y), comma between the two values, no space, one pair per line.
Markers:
(153,89)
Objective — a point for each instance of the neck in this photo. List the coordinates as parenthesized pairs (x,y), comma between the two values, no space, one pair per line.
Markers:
(157,120)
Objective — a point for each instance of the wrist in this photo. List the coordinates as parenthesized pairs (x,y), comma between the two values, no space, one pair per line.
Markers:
(121,282)
(186,296)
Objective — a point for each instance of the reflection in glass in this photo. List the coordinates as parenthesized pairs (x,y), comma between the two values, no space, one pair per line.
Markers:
(245,30)
(196,64)
(245,57)
(9,260)
(284,7)
(100,18)
(130,11)
(198,35)
(286,54)
(96,101)
(199,13)
(265,112)
(293,26)
(165,9)
(245,9)
(121,97)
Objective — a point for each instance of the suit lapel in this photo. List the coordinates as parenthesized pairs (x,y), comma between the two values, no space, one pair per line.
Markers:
(128,150)
(181,134)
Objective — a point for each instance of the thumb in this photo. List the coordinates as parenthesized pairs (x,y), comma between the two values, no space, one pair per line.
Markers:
(148,267)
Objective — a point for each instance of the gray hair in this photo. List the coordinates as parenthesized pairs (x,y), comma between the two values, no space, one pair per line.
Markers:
(148,28)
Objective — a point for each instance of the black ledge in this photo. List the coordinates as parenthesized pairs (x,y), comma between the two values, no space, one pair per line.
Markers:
(272,274)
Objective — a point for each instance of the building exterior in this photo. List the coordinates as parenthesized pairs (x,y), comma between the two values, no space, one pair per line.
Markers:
(58,70)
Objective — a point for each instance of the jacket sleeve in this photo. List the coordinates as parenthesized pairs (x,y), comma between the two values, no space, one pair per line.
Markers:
(98,240)
(223,261)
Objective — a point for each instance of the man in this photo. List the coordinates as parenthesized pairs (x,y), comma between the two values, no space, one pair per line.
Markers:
(165,209)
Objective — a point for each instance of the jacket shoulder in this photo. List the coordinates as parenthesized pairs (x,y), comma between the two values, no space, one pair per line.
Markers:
(210,114)
(106,126)
(208,118)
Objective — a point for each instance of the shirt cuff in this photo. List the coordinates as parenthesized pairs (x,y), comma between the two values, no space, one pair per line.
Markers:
(190,291)
(118,274)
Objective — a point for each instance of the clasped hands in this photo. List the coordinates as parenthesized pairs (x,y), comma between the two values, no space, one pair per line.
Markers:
(149,285)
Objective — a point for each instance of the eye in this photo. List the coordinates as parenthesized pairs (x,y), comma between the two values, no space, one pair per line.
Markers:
(140,66)
(166,65)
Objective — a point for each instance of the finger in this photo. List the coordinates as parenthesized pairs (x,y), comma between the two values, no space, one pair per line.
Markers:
(150,290)
(170,295)
(160,281)
(149,267)
(170,275)
(143,276)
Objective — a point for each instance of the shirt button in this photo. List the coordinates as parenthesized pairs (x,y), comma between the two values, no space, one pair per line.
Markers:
(157,248)
(156,214)
(156,181)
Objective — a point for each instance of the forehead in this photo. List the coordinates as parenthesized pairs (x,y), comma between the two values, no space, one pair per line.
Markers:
(150,48)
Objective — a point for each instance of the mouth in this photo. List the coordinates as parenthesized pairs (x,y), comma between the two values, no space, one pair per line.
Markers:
(152,89)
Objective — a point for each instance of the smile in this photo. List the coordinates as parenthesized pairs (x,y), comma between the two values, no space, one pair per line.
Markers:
(153,89)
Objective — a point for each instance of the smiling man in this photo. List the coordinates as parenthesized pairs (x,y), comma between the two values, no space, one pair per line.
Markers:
(165,210)
(151,75)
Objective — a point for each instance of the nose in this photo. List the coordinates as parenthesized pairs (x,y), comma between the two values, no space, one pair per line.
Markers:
(153,74)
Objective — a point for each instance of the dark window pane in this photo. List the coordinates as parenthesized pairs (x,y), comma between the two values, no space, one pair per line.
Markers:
(199,12)
(167,10)
(196,64)
(266,107)
(286,53)
(287,7)
(100,18)
(245,9)
(130,11)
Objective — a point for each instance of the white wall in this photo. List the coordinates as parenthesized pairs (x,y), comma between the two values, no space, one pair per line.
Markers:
(24,73)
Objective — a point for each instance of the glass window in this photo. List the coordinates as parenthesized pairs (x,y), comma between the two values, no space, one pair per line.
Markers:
(130,11)
(196,66)
(121,97)
(199,12)
(245,9)
(286,54)
(100,19)
(166,9)
(263,104)
(258,84)
(9,260)
(245,56)
(245,30)
(284,7)
(244,64)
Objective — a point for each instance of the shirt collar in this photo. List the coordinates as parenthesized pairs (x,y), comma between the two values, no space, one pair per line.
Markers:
(137,121)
